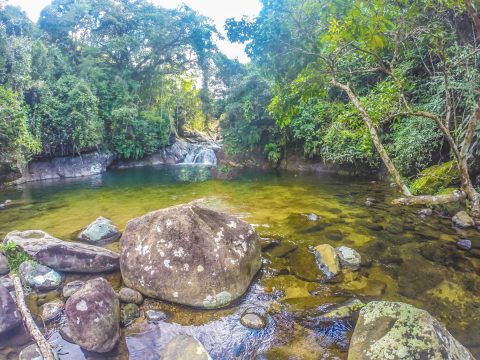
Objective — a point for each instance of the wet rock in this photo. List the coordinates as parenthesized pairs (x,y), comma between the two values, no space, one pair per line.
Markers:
(72,287)
(282,249)
(39,277)
(304,265)
(447,255)
(464,244)
(425,212)
(9,315)
(334,235)
(52,310)
(31,352)
(417,277)
(327,260)
(61,255)
(254,318)
(155,316)
(4,269)
(463,220)
(185,347)
(373,288)
(128,295)
(93,316)
(101,231)
(190,255)
(349,258)
(6,282)
(342,311)
(393,330)
(312,217)
(369,203)
(129,313)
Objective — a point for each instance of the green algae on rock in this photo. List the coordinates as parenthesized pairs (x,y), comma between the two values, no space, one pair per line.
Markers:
(394,330)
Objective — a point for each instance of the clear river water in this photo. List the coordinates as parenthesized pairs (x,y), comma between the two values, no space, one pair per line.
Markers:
(405,258)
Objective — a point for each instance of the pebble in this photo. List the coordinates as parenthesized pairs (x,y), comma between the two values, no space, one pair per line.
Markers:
(254,318)
(313,217)
(52,310)
(128,295)
(155,316)
(72,287)
(425,212)
(464,244)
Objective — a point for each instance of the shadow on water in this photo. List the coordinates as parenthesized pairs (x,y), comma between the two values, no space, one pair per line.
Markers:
(405,257)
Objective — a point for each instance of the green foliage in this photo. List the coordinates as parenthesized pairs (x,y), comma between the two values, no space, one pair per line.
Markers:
(435,179)
(412,143)
(15,256)
(135,134)
(273,152)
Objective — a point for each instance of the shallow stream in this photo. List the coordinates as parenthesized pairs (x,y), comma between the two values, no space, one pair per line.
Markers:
(406,258)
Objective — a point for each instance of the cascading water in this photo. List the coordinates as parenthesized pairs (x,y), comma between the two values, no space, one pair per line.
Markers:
(201,156)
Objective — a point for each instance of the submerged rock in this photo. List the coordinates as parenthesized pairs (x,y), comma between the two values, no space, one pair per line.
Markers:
(155,316)
(304,265)
(190,255)
(9,315)
(349,258)
(312,217)
(129,313)
(93,316)
(128,295)
(102,231)
(63,255)
(4,269)
(39,277)
(31,352)
(254,318)
(72,287)
(185,347)
(342,311)
(393,330)
(464,244)
(52,310)
(327,259)
(425,212)
(463,220)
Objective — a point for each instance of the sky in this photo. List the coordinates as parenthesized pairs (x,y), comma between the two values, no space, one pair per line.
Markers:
(217,10)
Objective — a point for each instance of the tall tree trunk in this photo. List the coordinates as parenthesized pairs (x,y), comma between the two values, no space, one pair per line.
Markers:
(374,135)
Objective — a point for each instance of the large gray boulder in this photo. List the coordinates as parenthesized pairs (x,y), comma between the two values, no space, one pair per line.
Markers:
(394,330)
(67,167)
(189,255)
(9,315)
(101,231)
(93,316)
(63,255)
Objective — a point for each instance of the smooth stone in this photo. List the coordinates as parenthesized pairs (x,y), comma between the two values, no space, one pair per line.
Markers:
(185,347)
(190,255)
(102,230)
(463,220)
(155,316)
(312,217)
(4,268)
(254,318)
(129,313)
(61,255)
(6,282)
(52,310)
(327,260)
(128,295)
(304,266)
(394,330)
(342,311)
(31,352)
(349,258)
(39,277)
(9,315)
(93,316)
(369,203)
(425,212)
(72,287)
(464,244)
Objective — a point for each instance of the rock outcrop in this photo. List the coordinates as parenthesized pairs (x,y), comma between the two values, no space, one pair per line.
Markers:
(66,167)
(393,330)
(9,315)
(101,231)
(93,316)
(63,255)
(190,255)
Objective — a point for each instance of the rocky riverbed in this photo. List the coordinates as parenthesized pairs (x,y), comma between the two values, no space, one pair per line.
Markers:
(319,290)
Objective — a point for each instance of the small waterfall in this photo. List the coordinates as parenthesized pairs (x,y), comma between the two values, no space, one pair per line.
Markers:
(201,156)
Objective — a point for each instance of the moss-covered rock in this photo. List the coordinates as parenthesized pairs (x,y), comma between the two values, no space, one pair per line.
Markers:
(435,179)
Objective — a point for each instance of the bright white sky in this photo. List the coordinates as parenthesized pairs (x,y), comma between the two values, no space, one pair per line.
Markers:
(217,10)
